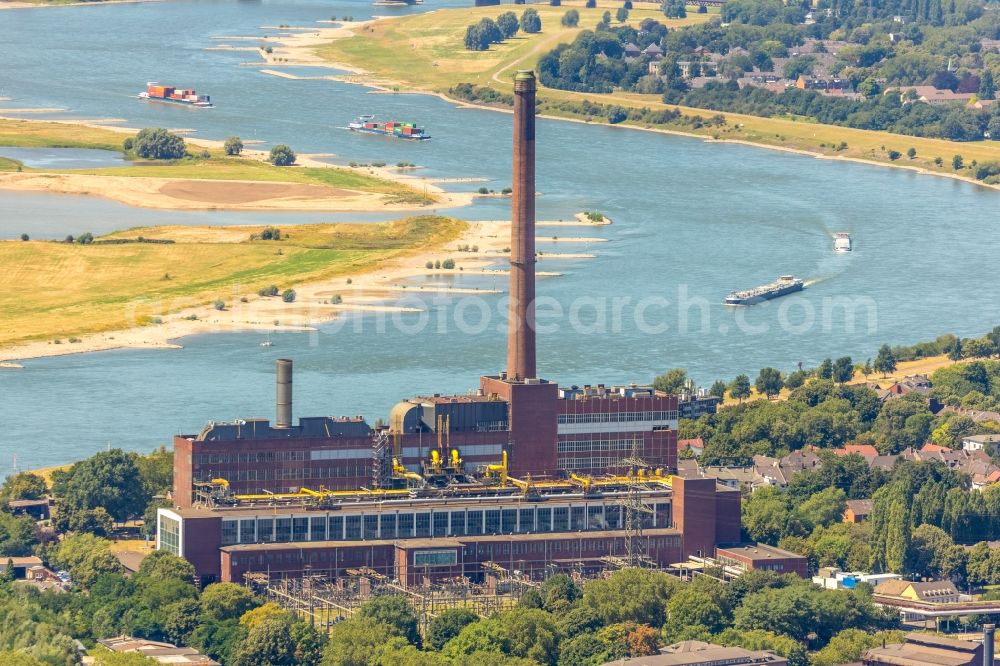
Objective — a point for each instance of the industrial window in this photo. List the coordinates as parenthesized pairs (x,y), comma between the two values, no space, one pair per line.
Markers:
(492,521)
(613,516)
(247,531)
(527,521)
(508,521)
(170,535)
(405,525)
(423,524)
(336,528)
(475,522)
(544,520)
(458,523)
(441,523)
(578,518)
(301,529)
(317,528)
(560,519)
(352,528)
(283,529)
(435,558)
(371,527)
(229,528)
(387,526)
(265,530)
(595,518)
(663,518)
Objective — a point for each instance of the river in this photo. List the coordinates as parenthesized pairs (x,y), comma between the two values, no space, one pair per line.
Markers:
(692,222)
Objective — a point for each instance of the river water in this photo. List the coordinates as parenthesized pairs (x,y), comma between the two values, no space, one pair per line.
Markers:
(692,222)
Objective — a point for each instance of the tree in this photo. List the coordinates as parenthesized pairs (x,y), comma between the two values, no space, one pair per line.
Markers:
(226,601)
(85,238)
(956,162)
(395,611)
(911,152)
(824,508)
(795,379)
(156,143)
(843,369)
(488,636)
(18,534)
(508,24)
(269,643)
(532,634)
(987,89)
(740,388)
(530,21)
(769,382)
(106,479)
(233,146)
(621,15)
(885,361)
(156,469)
(288,296)
(475,39)
(25,237)
(636,595)
(671,381)
(825,369)
(718,389)
(23,485)
(590,4)
(674,9)
(447,625)
(850,645)
(690,607)
(281,155)
(571,18)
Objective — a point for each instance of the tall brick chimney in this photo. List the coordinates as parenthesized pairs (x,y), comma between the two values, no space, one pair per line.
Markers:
(521,327)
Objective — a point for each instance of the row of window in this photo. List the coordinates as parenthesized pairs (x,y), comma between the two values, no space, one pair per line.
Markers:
(247,457)
(590,462)
(356,469)
(404,524)
(170,535)
(618,417)
(594,445)
(498,550)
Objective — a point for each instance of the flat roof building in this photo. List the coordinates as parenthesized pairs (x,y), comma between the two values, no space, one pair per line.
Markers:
(698,653)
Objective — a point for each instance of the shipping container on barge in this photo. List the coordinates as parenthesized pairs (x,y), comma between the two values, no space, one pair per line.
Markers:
(397,130)
(157,93)
(786,284)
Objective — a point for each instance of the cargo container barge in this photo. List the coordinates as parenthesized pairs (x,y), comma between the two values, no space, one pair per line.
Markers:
(397,130)
(842,242)
(157,93)
(786,284)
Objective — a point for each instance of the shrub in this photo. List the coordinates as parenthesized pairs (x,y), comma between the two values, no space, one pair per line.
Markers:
(437,264)
(219,304)
(282,155)
(288,296)
(956,162)
(25,237)
(448,264)
(530,21)
(894,155)
(571,19)
(337,299)
(590,4)
(128,144)
(483,190)
(269,291)
(938,161)
(911,153)
(156,143)
(233,145)
(429,265)
(85,238)
(621,15)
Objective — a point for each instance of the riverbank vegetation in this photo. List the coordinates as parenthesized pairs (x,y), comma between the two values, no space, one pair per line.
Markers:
(438,61)
(68,289)
(43,134)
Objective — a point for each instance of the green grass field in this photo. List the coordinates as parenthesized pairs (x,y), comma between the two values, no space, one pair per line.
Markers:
(434,59)
(32,134)
(68,289)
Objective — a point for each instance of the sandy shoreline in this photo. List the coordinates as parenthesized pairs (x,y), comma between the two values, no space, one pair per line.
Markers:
(382,289)
(8,4)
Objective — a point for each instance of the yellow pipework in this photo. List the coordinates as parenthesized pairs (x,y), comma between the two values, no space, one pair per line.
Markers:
(500,469)
(583,481)
(400,471)
(456,462)
(220,482)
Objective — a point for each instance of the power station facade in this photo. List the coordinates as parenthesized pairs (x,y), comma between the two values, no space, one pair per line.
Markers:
(520,471)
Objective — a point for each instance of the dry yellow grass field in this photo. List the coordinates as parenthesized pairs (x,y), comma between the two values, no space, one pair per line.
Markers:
(68,289)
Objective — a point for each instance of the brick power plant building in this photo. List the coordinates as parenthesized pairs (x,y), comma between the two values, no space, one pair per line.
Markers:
(522,473)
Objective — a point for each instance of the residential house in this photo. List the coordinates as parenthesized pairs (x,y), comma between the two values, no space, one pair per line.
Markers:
(163,653)
(976,415)
(20,565)
(933,95)
(696,445)
(39,509)
(857,510)
(779,471)
(697,653)
(930,592)
(693,406)
(632,51)
(980,442)
(653,51)
(926,650)
(743,478)
(866,451)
